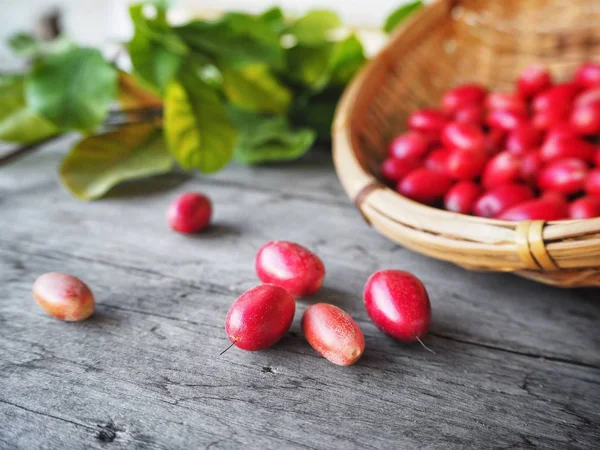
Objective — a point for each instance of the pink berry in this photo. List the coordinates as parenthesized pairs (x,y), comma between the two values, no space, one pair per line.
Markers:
(394,169)
(463,136)
(397,302)
(506,101)
(563,175)
(465,164)
(562,144)
(64,296)
(438,159)
(291,266)
(409,145)
(427,121)
(523,138)
(588,75)
(333,333)
(505,119)
(189,213)
(425,185)
(260,317)
(471,114)
(538,209)
(461,96)
(500,198)
(504,168)
(534,79)
(592,184)
(584,208)
(462,196)
(586,119)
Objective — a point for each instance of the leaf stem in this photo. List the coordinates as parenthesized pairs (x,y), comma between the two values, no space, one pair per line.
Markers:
(25,149)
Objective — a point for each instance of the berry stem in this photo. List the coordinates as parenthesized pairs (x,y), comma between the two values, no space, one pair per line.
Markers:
(232,344)
(424,346)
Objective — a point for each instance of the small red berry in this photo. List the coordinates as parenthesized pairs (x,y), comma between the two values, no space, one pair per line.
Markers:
(585,208)
(588,75)
(471,114)
(64,296)
(425,185)
(428,121)
(465,164)
(592,184)
(563,175)
(438,159)
(505,120)
(523,138)
(538,209)
(504,168)
(409,145)
(394,169)
(586,119)
(189,213)
(500,198)
(461,96)
(534,79)
(462,196)
(506,101)
(463,136)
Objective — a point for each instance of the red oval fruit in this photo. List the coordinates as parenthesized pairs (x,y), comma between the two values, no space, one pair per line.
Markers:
(333,333)
(523,138)
(506,101)
(533,79)
(463,136)
(531,163)
(471,114)
(543,120)
(64,296)
(504,168)
(585,208)
(588,75)
(428,121)
(586,119)
(260,317)
(538,209)
(409,145)
(394,169)
(563,175)
(589,97)
(438,159)
(462,196)
(495,141)
(592,184)
(505,120)
(465,164)
(397,302)
(189,213)
(461,96)
(557,97)
(425,185)
(559,145)
(500,198)
(597,158)
(291,266)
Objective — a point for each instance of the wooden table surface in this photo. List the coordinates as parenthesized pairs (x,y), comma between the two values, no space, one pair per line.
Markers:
(517,364)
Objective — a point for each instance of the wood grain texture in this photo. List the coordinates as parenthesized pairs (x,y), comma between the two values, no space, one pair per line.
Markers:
(517,365)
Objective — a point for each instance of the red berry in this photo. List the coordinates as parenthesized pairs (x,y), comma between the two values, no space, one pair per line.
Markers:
(588,75)
(506,101)
(589,97)
(465,164)
(597,158)
(427,121)
(64,296)
(189,213)
(558,97)
(409,145)
(471,114)
(461,96)
(463,136)
(260,317)
(397,302)
(495,141)
(523,138)
(585,208)
(425,185)
(505,120)
(538,209)
(438,159)
(500,198)
(592,184)
(291,266)
(531,163)
(586,119)
(333,333)
(534,79)
(563,175)
(543,120)
(394,169)
(563,144)
(504,168)
(462,196)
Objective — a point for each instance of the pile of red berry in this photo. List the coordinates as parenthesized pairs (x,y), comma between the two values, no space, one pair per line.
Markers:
(532,154)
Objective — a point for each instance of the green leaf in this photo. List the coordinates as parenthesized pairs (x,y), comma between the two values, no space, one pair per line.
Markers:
(97,163)
(73,89)
(313,28)
(346,58)
(274,18)
(255,88)
(156,51)
(265,139)
(198,130)
(238,39)
(28,46)
(400,15)
(18,123)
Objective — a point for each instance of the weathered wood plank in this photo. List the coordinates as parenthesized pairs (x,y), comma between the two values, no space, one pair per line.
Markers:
(147,367)
(490,309)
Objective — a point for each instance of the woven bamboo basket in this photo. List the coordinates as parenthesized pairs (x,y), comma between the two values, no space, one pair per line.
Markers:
(444,44)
